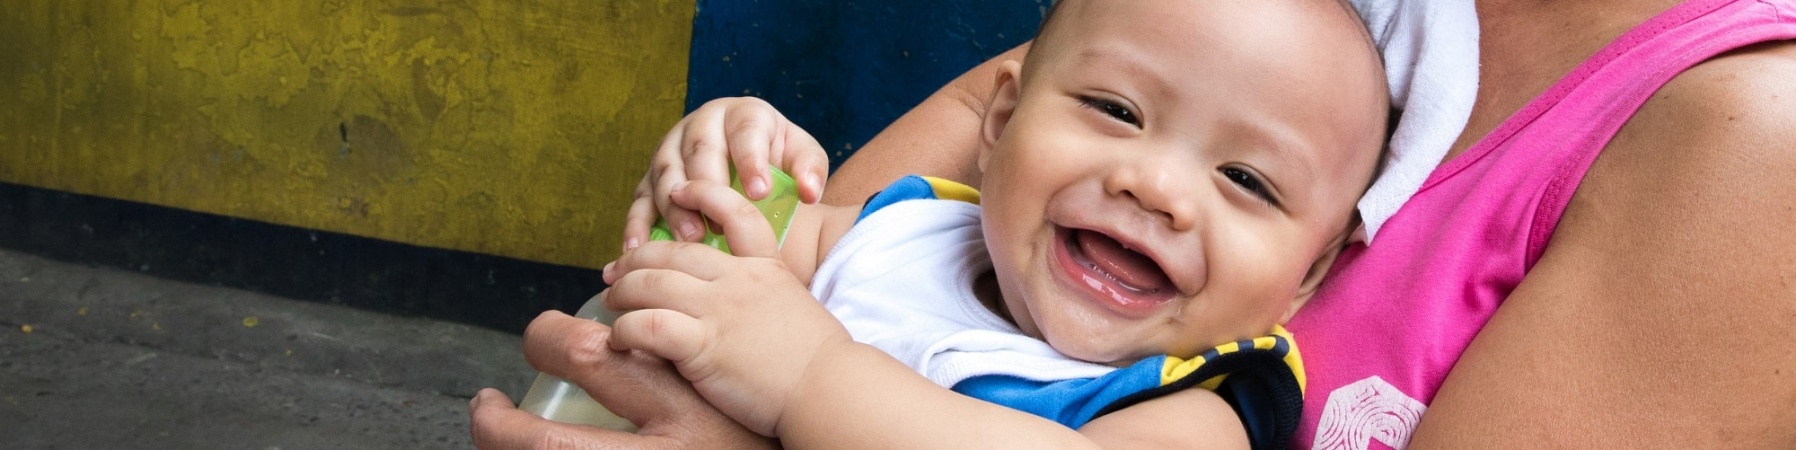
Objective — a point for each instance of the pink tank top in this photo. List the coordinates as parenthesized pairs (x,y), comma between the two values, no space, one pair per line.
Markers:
(1393,318)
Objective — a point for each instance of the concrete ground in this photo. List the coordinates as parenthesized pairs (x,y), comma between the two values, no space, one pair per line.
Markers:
(94,358)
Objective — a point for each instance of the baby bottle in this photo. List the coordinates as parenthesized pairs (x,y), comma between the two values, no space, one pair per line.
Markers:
(559,400)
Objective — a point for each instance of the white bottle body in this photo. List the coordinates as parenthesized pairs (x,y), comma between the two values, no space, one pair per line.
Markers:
(559,400)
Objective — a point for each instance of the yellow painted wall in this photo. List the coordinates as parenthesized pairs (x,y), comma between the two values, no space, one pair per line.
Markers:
(506,127)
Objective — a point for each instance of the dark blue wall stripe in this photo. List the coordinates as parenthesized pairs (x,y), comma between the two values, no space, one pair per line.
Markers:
(843,69)
(297,263)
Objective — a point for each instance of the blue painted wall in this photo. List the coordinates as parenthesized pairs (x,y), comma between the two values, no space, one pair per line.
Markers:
(843,69)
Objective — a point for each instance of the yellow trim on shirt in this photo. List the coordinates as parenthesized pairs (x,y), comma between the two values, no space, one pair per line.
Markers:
(1176,368)
(951,190)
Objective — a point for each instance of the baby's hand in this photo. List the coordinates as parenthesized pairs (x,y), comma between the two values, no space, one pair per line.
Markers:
(743,131)
(743,329)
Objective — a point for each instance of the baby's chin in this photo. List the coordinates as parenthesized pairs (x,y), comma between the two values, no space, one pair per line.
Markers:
(1099,352)
(1071,337)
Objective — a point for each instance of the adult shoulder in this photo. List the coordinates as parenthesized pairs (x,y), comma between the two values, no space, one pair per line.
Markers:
(1718,138)
(1741,103)
(1661,314)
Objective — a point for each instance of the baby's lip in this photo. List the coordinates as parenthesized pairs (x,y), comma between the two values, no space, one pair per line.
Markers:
(1133,289)
(1178,255)
(1121,263)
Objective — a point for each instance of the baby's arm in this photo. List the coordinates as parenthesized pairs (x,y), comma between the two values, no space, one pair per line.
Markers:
(747,333)
(860,398)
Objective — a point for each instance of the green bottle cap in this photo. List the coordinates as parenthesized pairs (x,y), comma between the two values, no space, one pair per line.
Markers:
(779,206)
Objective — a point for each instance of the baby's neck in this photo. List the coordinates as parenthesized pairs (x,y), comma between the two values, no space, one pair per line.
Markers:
(985,288)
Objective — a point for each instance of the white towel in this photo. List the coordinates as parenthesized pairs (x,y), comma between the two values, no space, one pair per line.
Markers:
(1430,50)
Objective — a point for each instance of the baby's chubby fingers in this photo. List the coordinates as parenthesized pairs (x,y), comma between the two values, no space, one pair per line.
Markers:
(759,134)
(808,164)
(756,133)
(665,333)
(747,230)
(703,145)
(658,289)
(640,218)
(666,170)
(694,261)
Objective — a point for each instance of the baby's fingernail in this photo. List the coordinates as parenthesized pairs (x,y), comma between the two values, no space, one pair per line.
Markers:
(474,403)
(811,179)
(631,244)
(689,231)
(757,186)
(606,271)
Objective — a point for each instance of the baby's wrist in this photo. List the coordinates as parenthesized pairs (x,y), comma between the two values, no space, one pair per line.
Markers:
(812,394)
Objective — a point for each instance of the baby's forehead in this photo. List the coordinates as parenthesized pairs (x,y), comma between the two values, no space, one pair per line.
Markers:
(1300,75)
(1333,19)
(1314,33)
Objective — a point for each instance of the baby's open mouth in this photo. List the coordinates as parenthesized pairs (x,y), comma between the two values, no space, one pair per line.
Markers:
(1134,273)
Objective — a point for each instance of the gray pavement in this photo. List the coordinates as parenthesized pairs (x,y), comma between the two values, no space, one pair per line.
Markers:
(95,358)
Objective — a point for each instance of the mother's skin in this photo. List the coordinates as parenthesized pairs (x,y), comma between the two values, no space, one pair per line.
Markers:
(1686,338)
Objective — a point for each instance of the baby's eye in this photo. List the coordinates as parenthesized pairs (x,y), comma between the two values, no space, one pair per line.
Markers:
(1113,109)
(1251,182)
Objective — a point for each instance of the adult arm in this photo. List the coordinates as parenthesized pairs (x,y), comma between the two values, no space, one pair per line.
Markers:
(1664,313)
(940,138)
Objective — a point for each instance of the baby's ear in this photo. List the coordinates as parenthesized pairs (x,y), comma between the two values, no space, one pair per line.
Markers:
(1003,104)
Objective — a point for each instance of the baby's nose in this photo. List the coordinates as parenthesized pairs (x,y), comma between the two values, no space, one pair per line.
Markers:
(1159,189)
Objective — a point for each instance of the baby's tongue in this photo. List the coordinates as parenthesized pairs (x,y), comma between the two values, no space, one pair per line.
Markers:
(1129,267)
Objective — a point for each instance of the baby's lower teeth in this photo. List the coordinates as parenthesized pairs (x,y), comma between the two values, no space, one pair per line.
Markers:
(1094,267)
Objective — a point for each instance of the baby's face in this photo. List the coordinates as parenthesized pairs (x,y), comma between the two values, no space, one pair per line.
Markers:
(1174,170)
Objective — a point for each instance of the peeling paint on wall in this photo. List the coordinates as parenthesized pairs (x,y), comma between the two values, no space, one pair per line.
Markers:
(513,128)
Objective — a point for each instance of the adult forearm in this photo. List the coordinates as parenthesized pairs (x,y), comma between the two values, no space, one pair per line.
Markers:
(940,137)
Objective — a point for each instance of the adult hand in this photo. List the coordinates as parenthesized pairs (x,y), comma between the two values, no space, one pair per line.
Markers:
(634,385)
(743,329)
